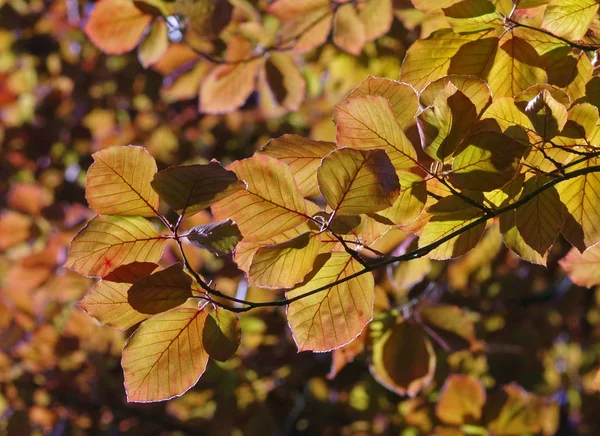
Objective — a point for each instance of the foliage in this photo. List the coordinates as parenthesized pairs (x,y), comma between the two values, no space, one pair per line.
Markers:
(431,233)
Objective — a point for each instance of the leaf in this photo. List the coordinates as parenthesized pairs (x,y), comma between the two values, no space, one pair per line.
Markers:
(472,15)
(516,67)
(508,116)
(358,181)
(116,26)
(583,268)
(303,156)
(165,356)
(377,17)
(348,29)
(206,18)
(107,300)
(281,85)
(369,122)
(222,334)
(514,411)
(219,238)
(540,220)
(155,45)
(283,265)
(331,318)
(15,228)
(271,203)
(411,201)
(444,125)
(340,357)
(449,215)
(514,240)
(445,52)
(191,188)
(569,18)
(449,318)
(486,161)
(118,182)
(403,359)
(161,291)
(402,97)
(547,114)
(107,242)
(227,87)
(461,400)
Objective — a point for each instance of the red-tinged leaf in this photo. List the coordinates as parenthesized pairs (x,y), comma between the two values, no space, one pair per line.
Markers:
(329,319)
(402,97)
(342,356)
(540,220)
(461,400)
(283,265)
(403,359)
(271,204)
(348,30)
(303,156)
(14,229)
(165,356)
(370,122)
(219,237)
(116,26)
(581,197)
(486,160)
(155,45)
(358,181)
(377,17)
(411,201)
(118,182)
(222,334)
(450,319)
(189,189)
(583,268)
(281,85)
(227,87)
(569,18)
(107,242)
(161,291)
(476,90)
(449,215)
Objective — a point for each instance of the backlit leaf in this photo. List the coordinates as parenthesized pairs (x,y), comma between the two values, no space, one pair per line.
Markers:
(271,204)
(118,182)
(165,356)
(514,240)
(569,18)
(377,17)
(358,181)
(461,400)
(219,237)
(476,90)
(190,188)
(449,318)
(303,156)
(348,30)
(161,291)
(116,26)
(282,85)
(514,411)
(403,359)
(331,318)
(107,242)
(411,201)
(222,334)
(472,15)
(285,264)
(369,122)
(583,268)
(155,45)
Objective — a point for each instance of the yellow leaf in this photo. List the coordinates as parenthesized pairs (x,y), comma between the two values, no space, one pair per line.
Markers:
(377,17)
(411,201)
(165,356)
(358,181)
(118,182)
(222,334)
(271,203)
(569,18)
(514,240)
(583,268)
(348,30)
(476,90)
(449,319)
(461,400)
(281,85)
(107,242)
(155,45)
(332,318)
(472,15)
(514,411)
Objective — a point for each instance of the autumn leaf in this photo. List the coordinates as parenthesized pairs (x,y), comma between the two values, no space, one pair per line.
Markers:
(271,203)
(118,182)
(190,188)
(410,202)
(218,237)
(348,29)
(222,334)
(475,89)
(461,400)
(358,181)
(107,242)
(581,267)
(154,45)
(569,18)
(281,85)
(165,356)
(514,411)
(116,26)
(331,318)
(449,318)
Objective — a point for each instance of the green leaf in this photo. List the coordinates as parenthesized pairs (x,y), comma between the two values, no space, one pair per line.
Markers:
(219,237)
(222,334)
(370,122)
(569,18)
(118,182)
(165,356)
(189,189)
(331,318)
(303,156)
(271,203)
(486,161)
(161,291)
(107,242)
(283,265)
(358,181)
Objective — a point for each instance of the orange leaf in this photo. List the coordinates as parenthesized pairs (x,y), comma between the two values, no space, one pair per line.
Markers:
(348,30)
(461,400)
(583,268)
